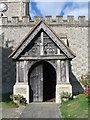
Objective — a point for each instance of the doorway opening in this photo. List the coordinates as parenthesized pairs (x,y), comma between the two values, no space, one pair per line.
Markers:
(42,82)
(49,82)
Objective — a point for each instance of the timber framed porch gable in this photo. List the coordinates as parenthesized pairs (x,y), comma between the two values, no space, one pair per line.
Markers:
(54,37)
(42,65)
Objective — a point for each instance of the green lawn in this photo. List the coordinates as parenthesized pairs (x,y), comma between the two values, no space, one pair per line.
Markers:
(76,108)
(6,102)
(7,105)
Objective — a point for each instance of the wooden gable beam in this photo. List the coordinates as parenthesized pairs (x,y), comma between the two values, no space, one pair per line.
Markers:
(49,32)
(24,45)
(56,41)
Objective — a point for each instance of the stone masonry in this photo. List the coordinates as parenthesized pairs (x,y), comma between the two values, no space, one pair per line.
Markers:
(17,26)
(76,33)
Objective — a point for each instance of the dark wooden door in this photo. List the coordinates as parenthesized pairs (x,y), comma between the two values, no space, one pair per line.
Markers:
(36,83)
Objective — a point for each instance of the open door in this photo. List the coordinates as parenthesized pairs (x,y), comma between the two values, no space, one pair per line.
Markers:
(36,83)
(42,82)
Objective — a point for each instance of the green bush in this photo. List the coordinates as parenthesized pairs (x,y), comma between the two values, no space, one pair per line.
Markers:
(65,96)
(85,80)
(18,99)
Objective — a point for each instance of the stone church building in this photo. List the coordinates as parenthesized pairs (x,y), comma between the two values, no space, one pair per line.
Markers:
(41,57)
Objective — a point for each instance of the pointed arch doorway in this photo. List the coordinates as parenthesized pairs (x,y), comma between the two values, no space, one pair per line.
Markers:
(42,82)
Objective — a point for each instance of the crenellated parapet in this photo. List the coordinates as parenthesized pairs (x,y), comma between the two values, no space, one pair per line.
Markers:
(70,21)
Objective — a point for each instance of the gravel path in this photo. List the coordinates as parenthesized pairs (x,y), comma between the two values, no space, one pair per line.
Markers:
(41,110)
(12,112)
(33,110)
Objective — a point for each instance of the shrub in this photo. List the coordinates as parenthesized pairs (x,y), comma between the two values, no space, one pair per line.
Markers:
(85,80)
(18,99)
(65,96)
(87,91)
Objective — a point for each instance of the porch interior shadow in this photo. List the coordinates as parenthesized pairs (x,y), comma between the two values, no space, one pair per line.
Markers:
(49,82)
(76,86)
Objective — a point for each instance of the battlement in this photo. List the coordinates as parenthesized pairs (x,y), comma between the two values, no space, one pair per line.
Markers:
(70,21)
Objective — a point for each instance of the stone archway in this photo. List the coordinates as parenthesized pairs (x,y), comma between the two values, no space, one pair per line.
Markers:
(42,82)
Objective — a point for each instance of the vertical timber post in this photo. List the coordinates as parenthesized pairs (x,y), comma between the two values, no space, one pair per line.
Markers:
(41,44)
(67,71)
(17,72)
(58,81)
(58,71)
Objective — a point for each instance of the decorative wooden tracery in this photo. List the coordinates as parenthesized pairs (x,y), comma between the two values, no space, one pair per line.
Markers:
(41,45)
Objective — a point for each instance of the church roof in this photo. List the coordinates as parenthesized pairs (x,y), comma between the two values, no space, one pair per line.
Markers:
(52,34)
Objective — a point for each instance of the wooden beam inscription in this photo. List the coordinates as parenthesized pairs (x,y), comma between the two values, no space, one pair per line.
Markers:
(60,57)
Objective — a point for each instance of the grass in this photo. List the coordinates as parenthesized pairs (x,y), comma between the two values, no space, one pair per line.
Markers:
(6,102)
(76,108)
